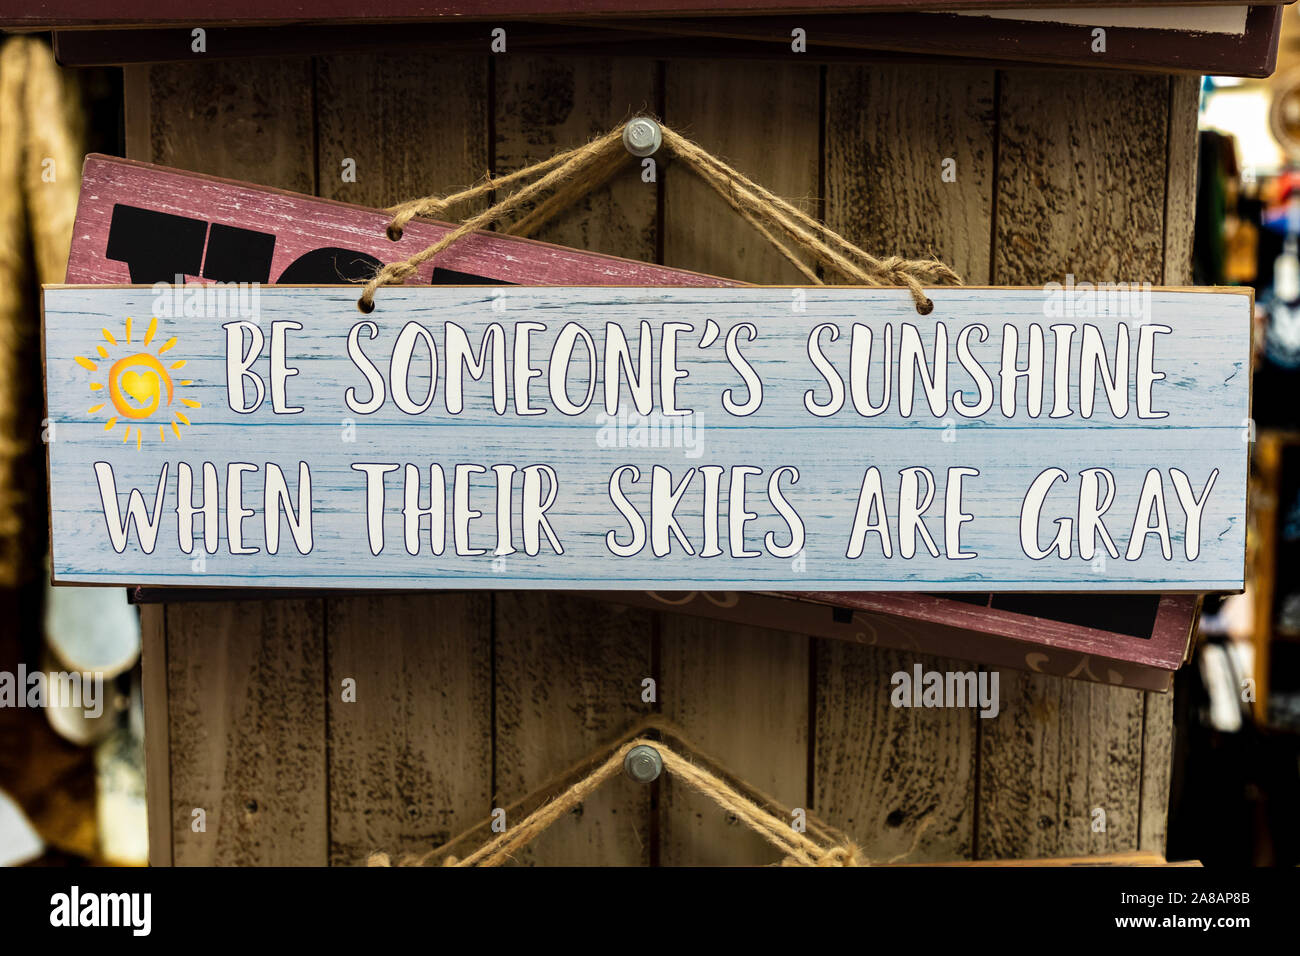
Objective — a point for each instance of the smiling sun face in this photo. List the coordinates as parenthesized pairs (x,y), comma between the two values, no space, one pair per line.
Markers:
(140,385)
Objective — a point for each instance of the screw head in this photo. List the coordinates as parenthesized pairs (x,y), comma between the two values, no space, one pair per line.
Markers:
(643,763)
(642,136)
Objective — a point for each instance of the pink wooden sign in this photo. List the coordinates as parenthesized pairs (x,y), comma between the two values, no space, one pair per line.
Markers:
(141,223)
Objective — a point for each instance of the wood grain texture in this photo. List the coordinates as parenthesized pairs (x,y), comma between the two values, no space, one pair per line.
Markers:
(1157,770)
(247,713)
(1033,766)
(740,694)
(568,680)
(545,105)
(1082,189)
(1180,217)
(569,671)
(157,735)
(245,696)
(410,760)
(1180,186)
(1163,639)
(901,781)
(1216,45)
(416,125)
(30,14)
(909,121)
(1081,161)
(303,225)
(248,120)
(1243,41)
(137,111)
(942,627)
(764,120)
(1059,751)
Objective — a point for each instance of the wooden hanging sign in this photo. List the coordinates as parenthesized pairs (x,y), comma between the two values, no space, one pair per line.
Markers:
(800,439)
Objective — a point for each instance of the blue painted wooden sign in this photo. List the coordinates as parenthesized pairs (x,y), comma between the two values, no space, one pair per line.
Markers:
(1051,439)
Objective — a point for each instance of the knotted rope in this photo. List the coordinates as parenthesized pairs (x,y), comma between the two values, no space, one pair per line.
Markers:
(557,183)
(818,845)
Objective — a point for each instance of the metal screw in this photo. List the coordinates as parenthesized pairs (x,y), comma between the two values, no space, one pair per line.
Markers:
(643,763)
(642,136)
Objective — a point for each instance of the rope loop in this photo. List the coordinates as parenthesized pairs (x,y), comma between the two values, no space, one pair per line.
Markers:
(815,845)
(555,184)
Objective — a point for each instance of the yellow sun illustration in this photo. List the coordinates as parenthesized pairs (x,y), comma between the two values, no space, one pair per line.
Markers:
(140,385)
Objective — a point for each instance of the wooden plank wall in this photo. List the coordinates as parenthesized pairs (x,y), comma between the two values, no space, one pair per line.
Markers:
(466,702)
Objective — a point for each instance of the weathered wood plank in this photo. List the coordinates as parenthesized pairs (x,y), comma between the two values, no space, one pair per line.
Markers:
(125,205)
(137,110)
(568,679)
(1157,770)
(244,684)
(1081,189)
(257,763)
(1141,653)
(1081,185)
(411,760)
(909,162)
(157,735)
(763,119)
(410,755)
(1180,186)
(1185,47)
(569,671)
(908,171)
(413,125)
(78,13)
(248,120)
(740,694)
(901,781)
(545,105)
(1063,759)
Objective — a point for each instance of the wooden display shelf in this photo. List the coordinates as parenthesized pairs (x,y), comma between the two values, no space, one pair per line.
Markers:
(830,37)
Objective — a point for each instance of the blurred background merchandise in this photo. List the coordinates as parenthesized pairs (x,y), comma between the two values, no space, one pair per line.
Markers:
(1237,767)
(71,780)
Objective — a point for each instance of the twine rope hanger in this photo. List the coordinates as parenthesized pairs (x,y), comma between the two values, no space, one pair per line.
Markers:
(555,184)
(818,845)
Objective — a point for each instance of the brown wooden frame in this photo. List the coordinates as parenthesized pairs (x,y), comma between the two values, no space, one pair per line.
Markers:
(831,38)
(41,14)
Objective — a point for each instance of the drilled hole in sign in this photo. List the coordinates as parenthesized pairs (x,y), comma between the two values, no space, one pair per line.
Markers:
(365,307)
(925,307)
(394,232)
